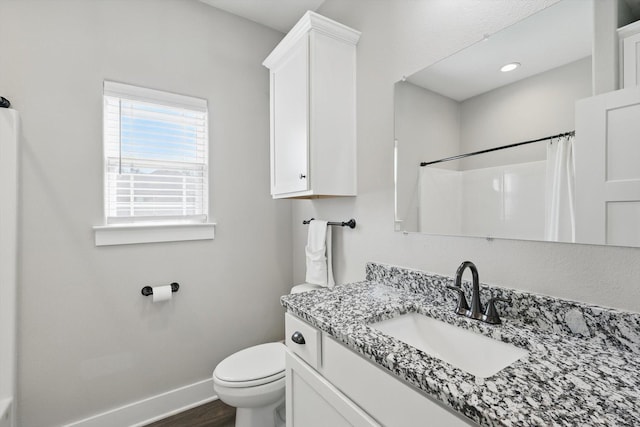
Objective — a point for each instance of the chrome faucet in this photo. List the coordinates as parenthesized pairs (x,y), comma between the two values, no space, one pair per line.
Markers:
(475,311)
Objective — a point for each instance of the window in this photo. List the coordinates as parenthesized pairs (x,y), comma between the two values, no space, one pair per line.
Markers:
(155,157)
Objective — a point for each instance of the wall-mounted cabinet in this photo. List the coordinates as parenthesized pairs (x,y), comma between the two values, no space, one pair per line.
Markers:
(313,110)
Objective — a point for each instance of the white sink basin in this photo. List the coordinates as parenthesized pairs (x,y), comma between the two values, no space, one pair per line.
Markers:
(471,352)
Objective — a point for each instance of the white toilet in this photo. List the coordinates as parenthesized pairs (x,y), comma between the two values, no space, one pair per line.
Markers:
(253,381)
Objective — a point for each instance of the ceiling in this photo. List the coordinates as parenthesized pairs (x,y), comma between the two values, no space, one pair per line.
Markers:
(555,36)
(520,43)
(280,15)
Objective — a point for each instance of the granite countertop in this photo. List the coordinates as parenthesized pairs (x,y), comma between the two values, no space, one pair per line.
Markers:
(582,367)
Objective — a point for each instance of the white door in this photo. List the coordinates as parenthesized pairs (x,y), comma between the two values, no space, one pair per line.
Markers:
(607,166)
(290,121)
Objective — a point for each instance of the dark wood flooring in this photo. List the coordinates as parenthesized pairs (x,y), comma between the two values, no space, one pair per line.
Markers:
(212,414)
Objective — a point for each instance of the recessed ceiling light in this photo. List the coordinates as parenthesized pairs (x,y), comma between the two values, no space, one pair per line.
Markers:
(510,67)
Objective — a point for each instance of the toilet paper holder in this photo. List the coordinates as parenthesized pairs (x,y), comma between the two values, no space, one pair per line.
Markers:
(148,290)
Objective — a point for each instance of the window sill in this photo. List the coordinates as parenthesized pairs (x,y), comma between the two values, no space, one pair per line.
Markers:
(108,235)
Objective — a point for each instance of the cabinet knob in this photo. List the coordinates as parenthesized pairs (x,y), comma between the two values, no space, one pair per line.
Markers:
(302,176)
(297,338)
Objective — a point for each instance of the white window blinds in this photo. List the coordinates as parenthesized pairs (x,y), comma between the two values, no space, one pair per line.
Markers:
(156,156)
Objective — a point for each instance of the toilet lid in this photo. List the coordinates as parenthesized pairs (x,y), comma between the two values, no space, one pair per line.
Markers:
(261,362)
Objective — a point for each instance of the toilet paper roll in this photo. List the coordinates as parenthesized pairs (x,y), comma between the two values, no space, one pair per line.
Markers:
(162,293)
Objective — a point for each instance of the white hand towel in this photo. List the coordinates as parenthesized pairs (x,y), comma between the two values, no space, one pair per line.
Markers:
(330,282)
(316,254)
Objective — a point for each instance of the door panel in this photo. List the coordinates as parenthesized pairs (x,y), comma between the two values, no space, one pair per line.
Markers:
(607,159)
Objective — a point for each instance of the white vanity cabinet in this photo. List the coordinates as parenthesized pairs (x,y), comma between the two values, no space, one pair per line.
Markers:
(311,399)
(329,384)
(313,110)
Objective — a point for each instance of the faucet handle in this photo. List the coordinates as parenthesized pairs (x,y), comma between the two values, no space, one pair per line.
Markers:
(462,306)
(491,314)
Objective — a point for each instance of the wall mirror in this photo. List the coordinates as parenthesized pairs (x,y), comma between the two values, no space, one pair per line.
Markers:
(464,104)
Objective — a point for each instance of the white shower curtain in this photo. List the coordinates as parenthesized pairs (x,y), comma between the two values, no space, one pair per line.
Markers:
(559,191)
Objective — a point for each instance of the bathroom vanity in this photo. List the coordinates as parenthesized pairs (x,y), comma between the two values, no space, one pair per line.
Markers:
(329,384)
(578,367)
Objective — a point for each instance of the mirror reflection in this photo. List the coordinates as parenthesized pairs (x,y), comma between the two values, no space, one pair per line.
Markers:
(465,104)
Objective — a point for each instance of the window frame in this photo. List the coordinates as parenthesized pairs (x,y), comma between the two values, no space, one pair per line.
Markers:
(131,230)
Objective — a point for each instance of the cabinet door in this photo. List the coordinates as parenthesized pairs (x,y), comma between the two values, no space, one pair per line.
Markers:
(313,402)
(390,401)
(290,121)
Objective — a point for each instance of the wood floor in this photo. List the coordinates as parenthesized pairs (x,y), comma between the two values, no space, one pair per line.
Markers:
(212,414)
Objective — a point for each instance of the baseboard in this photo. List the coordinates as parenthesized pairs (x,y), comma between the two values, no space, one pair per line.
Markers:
(154,408)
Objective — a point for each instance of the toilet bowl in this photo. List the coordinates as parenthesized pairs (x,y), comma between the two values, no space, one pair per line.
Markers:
(253,381)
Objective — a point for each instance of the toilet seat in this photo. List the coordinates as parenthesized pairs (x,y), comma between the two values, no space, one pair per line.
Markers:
(250,383)
(305,287)
(253,366)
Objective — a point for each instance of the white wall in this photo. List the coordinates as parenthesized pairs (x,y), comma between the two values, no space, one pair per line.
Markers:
(398,38)
(88,341)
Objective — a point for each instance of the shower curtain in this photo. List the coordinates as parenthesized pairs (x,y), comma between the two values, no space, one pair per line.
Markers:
(559,190)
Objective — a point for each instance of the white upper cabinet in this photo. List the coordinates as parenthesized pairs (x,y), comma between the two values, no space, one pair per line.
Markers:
(313,110)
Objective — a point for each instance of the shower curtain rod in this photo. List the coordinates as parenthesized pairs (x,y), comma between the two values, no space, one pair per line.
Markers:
(462,156)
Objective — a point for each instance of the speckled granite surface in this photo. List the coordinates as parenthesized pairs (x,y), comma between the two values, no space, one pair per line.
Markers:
(583,366)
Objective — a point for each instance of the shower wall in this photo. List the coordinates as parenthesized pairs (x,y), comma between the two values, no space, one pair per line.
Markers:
(503,201)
